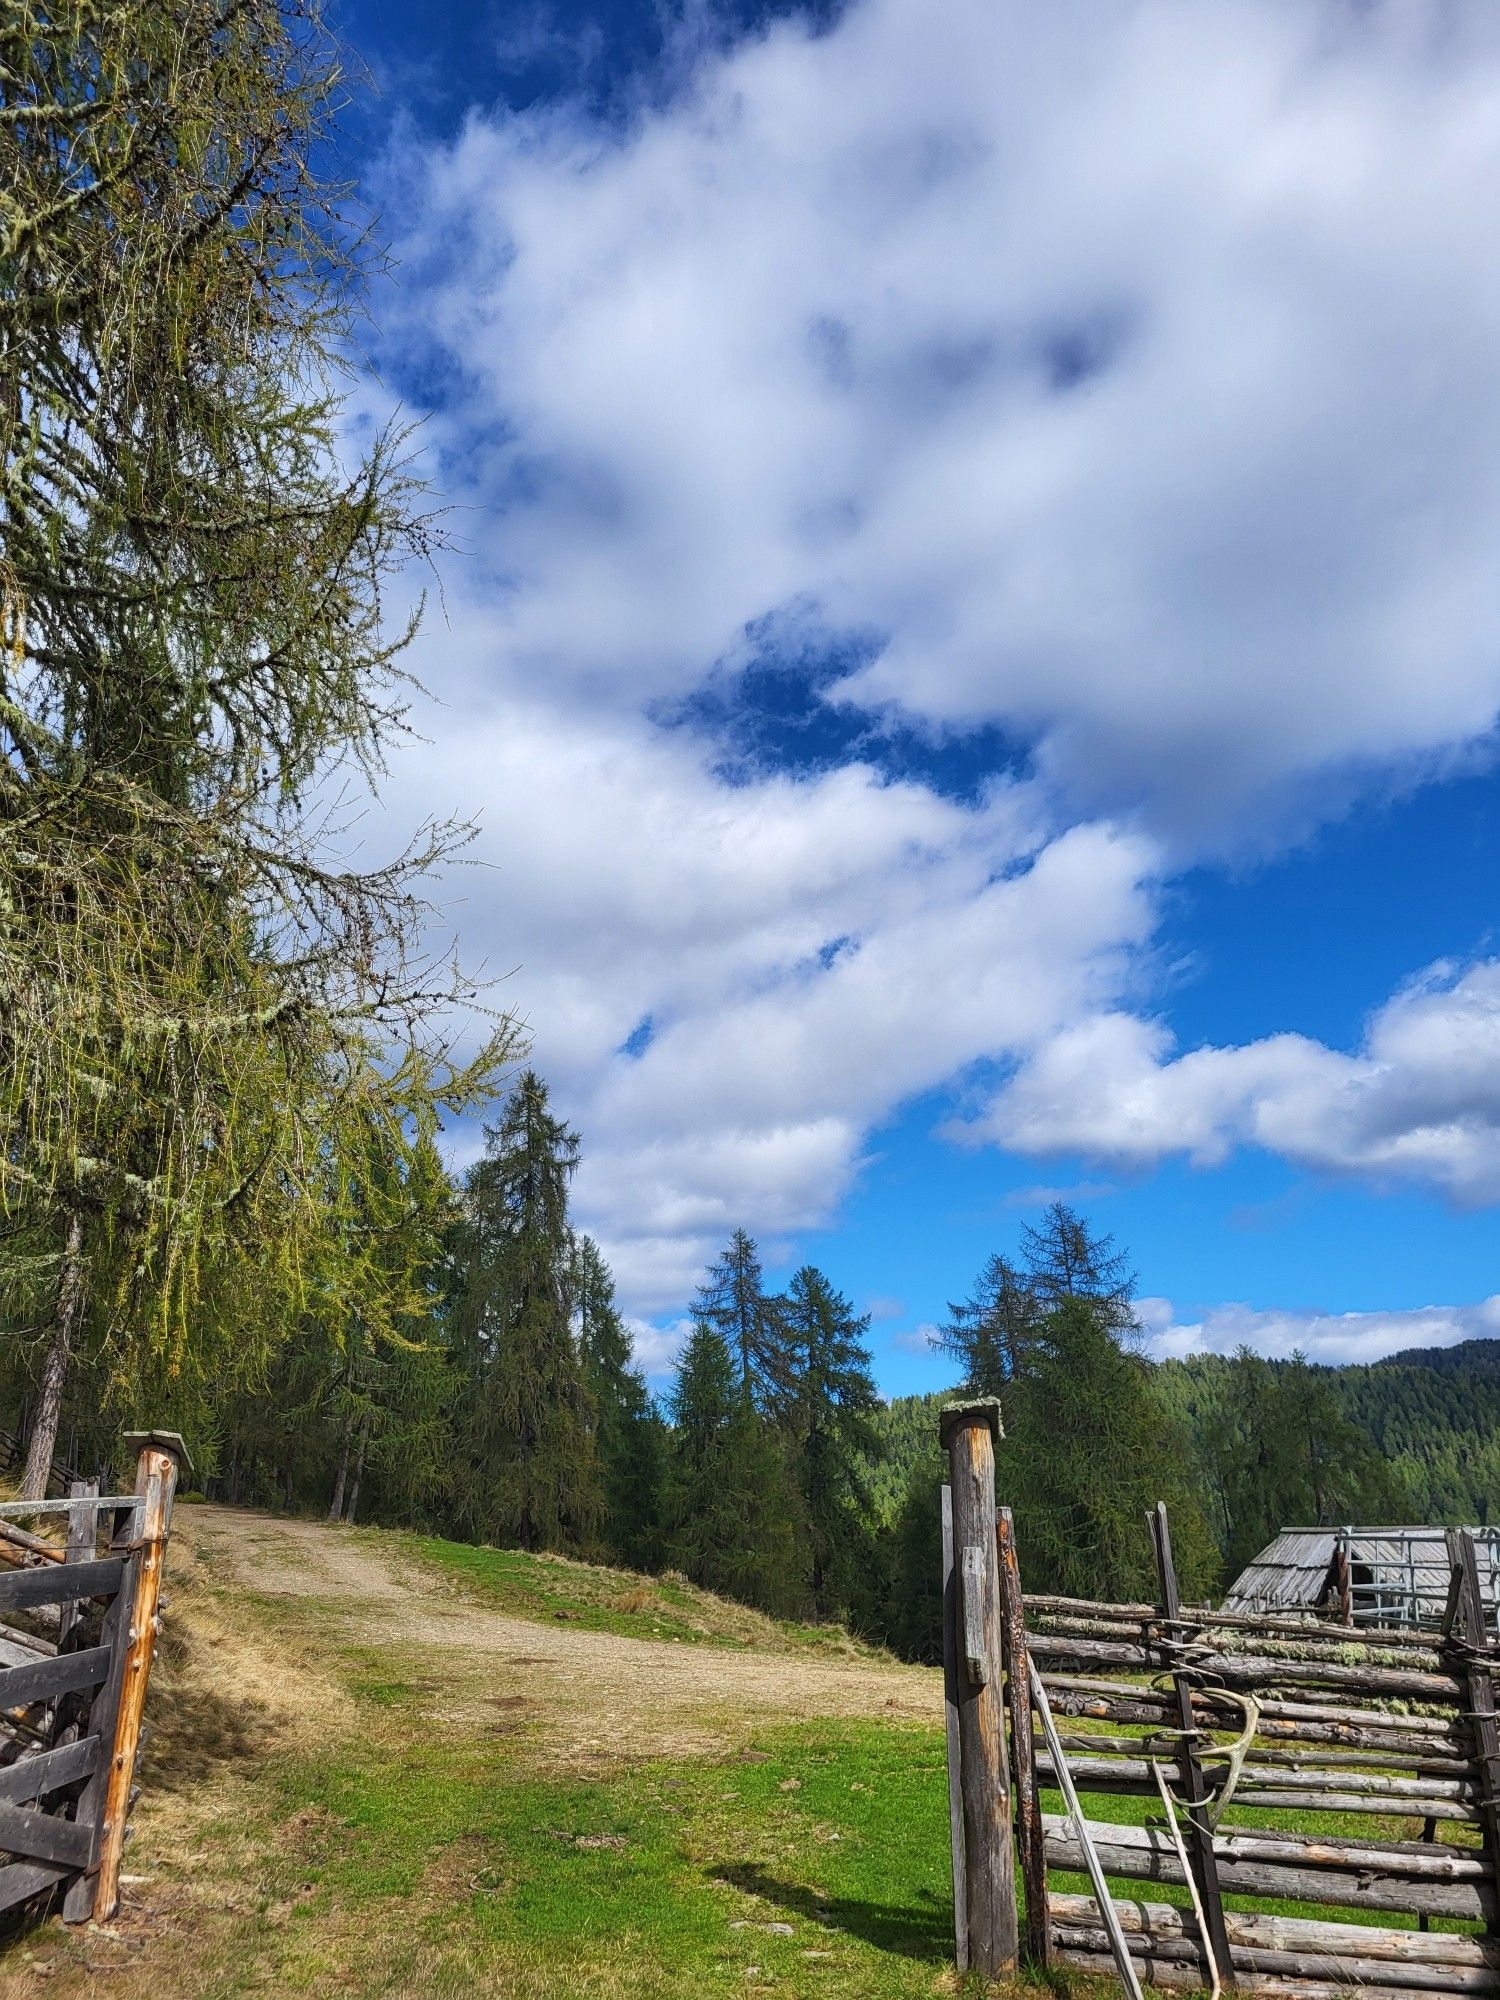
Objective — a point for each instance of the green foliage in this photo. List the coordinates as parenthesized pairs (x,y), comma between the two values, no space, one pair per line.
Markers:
(631,1438)
(203,1020)
(731,1503)
(530,1474)
(829,1402)
(1088,1449)
(733,1299)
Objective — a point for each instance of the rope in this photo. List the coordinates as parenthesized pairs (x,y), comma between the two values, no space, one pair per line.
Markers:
(1216,1983)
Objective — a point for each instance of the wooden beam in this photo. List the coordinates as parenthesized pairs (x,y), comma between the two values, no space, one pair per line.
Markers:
(156,1483)
(950,1708)
(1481,1686)
(969,1431)
(1029,1835)
(22,1589)
(1199,1835)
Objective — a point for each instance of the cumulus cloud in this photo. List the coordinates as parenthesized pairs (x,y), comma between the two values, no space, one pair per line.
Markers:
(1128,378)
(1417,1103)
(1327,1337)
(1125,381)
(728,985)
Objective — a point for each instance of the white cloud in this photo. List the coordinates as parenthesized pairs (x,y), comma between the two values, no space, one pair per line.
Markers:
(1133,375)
(1128,378)
(801,955)
(1417,1103)
(1321,1336)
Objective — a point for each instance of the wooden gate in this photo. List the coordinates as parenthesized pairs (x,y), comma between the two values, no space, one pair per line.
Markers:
(1257,1792)
(78,1629)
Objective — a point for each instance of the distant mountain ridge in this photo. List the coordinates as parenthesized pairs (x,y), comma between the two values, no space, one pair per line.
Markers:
(1432,1412)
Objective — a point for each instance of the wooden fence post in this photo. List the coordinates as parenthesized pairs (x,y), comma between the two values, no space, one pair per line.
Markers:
(1481,1690)
(1030,1836)
(1200,1836)
(121,1705)
(969,1431)
(950,1709)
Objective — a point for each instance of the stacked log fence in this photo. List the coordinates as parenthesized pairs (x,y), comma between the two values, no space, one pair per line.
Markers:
(1385,1745)
(79,1615)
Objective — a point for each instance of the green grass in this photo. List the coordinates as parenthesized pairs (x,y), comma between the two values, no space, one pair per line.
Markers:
(815,1860)
(544,1587)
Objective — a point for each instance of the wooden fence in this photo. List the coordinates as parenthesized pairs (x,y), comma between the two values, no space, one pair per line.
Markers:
(1216,1721)
(78,1629)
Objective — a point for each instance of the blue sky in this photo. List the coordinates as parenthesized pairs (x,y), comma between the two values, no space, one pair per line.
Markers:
(974,640)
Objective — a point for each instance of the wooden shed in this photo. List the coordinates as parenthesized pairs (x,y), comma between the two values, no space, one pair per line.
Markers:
(1364,1576)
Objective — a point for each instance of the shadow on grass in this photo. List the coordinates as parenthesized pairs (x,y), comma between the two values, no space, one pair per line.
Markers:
(922,1929)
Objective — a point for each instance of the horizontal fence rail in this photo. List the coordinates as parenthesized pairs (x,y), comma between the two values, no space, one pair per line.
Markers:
(1384,1745)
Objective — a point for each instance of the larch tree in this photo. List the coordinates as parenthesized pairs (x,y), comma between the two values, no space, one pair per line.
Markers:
(198,1000)
(532,1475)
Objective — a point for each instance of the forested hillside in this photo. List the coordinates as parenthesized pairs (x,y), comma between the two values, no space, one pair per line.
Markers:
(1432,1417)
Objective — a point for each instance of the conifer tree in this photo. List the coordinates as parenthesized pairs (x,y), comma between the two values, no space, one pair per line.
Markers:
(531,1475)
(832,1439)
(730,1525)
(631,1444)
(1088,1448)
(733,1299)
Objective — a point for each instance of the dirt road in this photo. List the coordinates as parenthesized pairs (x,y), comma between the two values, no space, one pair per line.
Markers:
(595,1696)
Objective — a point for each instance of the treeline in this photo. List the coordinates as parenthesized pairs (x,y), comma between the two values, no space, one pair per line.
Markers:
(507,1408)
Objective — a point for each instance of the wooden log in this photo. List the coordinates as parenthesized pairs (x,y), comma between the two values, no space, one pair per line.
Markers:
(1268,1931)
(969,1432)
(82,1545)
(28,1544)
(1029,1835)
(37,1777)
(950,1710)
(25,1879)
(1257,1670)
(156,1482)
(1039,1607)
(34,1835)
(1199,1837)
(1270,1758)
(1167,1638)
(1118,1701)
(1262,1985)
(1353,1971)
(1311,1792)
(1286,1868)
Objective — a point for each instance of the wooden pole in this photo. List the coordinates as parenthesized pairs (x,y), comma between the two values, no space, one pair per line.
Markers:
(950,1707)
(159,1455)
(1481,1687)
(1200,1837)
(1030,1836)
(969,1431)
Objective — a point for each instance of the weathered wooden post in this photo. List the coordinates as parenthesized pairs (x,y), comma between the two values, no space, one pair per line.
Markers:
(1200,1835)
(120,1705)
(1030,1837)
(969,1432)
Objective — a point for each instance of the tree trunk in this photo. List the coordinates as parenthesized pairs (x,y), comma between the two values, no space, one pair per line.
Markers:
(359,1472)
(336,1504)
(55,1368)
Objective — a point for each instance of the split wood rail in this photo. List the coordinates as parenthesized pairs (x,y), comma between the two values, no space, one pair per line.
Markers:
(1388,1741)
(78,1629)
